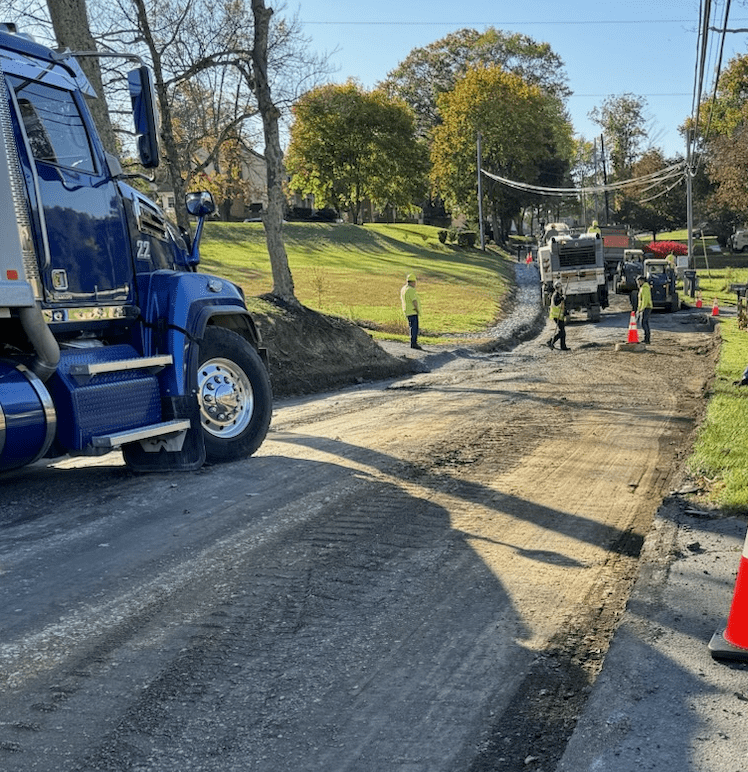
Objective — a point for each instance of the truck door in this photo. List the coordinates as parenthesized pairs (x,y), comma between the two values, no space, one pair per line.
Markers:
(77,203)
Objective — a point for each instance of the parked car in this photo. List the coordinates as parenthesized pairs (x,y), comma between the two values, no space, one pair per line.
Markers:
(739,241)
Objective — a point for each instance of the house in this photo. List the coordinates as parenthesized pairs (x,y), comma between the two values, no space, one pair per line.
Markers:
(249,200)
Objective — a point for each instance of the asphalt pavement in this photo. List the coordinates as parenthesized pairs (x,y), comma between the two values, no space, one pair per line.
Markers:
(662,701)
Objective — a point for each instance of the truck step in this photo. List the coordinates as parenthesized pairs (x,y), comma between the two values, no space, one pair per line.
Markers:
(116,439)
(151,364)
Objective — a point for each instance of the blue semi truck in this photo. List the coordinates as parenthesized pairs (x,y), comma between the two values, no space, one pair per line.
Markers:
(109,337)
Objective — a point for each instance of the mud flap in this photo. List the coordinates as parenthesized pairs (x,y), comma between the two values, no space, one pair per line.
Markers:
(190,457)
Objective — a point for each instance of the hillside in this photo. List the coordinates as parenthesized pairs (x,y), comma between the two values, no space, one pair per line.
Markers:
(348,279)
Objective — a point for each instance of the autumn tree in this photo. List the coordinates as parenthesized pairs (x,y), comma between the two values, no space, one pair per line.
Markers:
(428,72)
(348,144)
(526,137)
(721,150)
(584,173)
(718,148)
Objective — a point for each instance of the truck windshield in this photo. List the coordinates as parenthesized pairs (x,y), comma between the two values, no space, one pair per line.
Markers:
(54,126)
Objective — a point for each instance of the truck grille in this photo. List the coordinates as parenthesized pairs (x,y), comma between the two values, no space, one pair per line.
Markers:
(572,255)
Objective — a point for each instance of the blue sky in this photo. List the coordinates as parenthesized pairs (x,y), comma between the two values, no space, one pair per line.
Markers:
(644,47)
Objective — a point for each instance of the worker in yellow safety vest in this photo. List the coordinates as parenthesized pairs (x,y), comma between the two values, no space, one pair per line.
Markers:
(411,308)
(558,314)
(644,305)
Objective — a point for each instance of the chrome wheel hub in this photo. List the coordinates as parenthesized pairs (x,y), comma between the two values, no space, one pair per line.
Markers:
(226,398)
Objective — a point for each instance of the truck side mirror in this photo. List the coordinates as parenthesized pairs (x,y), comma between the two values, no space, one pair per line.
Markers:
(145,114)
(200,204)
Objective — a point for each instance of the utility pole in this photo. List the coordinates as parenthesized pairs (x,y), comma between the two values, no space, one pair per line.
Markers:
(689,200)
(605,177)
(480,198)
(597,179)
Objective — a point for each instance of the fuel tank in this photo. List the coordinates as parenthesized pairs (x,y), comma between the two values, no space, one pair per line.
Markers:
(28,420)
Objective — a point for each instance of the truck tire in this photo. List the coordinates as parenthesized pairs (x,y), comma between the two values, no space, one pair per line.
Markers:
(234,395)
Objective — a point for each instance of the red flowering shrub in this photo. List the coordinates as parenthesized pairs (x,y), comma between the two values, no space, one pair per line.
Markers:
(664,248)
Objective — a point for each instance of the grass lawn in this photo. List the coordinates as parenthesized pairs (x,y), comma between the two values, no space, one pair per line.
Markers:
(721,451)
(356,271)
(720,456)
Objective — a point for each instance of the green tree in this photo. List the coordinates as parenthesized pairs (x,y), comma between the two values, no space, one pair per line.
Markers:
(622,121)
(722,115)
(650,206)
(348,144)
(526,137)
(428,72)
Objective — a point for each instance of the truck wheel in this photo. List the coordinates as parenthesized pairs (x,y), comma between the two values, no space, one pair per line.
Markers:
(234,395)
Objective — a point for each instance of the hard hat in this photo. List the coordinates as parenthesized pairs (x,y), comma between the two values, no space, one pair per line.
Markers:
(558,284)
(410,277)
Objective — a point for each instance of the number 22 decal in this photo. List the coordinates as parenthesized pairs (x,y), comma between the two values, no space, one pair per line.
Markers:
(144,250)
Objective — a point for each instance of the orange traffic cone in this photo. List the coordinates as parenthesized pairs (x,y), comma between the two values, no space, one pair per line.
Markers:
(699,302)
(732,642)
(715,308)
(633,331)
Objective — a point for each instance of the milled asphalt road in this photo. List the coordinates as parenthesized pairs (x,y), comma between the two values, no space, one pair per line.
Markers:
(662,701)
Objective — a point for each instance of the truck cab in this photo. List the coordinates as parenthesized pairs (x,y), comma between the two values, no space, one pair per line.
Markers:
(661,276)
(109,337)
(627,270)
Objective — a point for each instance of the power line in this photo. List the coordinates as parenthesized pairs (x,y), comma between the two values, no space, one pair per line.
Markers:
(462,24)
(650,180)
(681,94)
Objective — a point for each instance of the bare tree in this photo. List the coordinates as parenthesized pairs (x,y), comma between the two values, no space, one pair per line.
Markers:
(70,22)
(282,281)
(214,66)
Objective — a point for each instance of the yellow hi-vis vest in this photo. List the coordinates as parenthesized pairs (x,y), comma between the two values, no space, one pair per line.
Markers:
(557,311)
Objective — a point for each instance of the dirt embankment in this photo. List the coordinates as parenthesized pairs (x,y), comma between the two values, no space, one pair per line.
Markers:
(310,352)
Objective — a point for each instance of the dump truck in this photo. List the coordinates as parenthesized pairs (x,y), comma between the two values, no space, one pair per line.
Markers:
(578,262)
(616,241)
(109,336)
